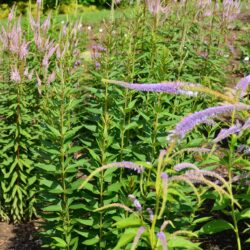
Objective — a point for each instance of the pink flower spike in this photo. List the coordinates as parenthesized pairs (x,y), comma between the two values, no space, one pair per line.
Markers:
(46,24)
(11,14)
(51,78)
(15,75)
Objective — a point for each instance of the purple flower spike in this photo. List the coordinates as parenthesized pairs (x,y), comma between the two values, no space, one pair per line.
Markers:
(243,85)
(161,236)
(224,133)
(189,122)
(136,203)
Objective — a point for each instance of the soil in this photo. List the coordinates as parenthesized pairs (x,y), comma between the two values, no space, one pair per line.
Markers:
(19,237)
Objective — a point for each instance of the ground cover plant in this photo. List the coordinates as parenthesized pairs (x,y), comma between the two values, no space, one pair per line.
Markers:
(130,135)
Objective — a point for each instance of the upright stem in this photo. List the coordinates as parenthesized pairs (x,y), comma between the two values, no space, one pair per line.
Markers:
(236,230)
(66,217)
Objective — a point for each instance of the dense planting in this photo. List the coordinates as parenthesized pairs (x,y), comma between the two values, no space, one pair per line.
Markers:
(134,134)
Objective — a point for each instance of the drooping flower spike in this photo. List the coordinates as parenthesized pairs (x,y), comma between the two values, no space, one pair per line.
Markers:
(224,133)
(124,164)
(185,165)
(177,88)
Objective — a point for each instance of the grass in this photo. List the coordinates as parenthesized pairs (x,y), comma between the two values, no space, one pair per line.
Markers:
(89,17)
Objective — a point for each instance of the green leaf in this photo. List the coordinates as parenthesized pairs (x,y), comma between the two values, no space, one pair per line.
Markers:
(60,242)
(53,208)
(178,242)
(92,241)
(128,222)
(126,238)
(131,125)
(201,220)
(88,222)
(245,214)
(54,131)
(47,167)
(215,226)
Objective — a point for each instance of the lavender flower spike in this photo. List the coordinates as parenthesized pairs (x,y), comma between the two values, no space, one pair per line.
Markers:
(137,237)
(161,236)
(136,203)
(184,165)
(164,177)
(190,121)
(166,87)
(243,85)
(224,133)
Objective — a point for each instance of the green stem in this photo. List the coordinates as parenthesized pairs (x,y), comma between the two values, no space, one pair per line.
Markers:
(66,216)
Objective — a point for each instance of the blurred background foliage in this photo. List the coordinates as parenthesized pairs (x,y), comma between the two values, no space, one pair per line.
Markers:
(62,6)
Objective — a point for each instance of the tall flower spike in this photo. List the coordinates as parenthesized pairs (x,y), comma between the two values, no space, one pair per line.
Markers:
(136,203)
(242,85)
(161,236)
(224,133)
(191,121)
(140,231)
